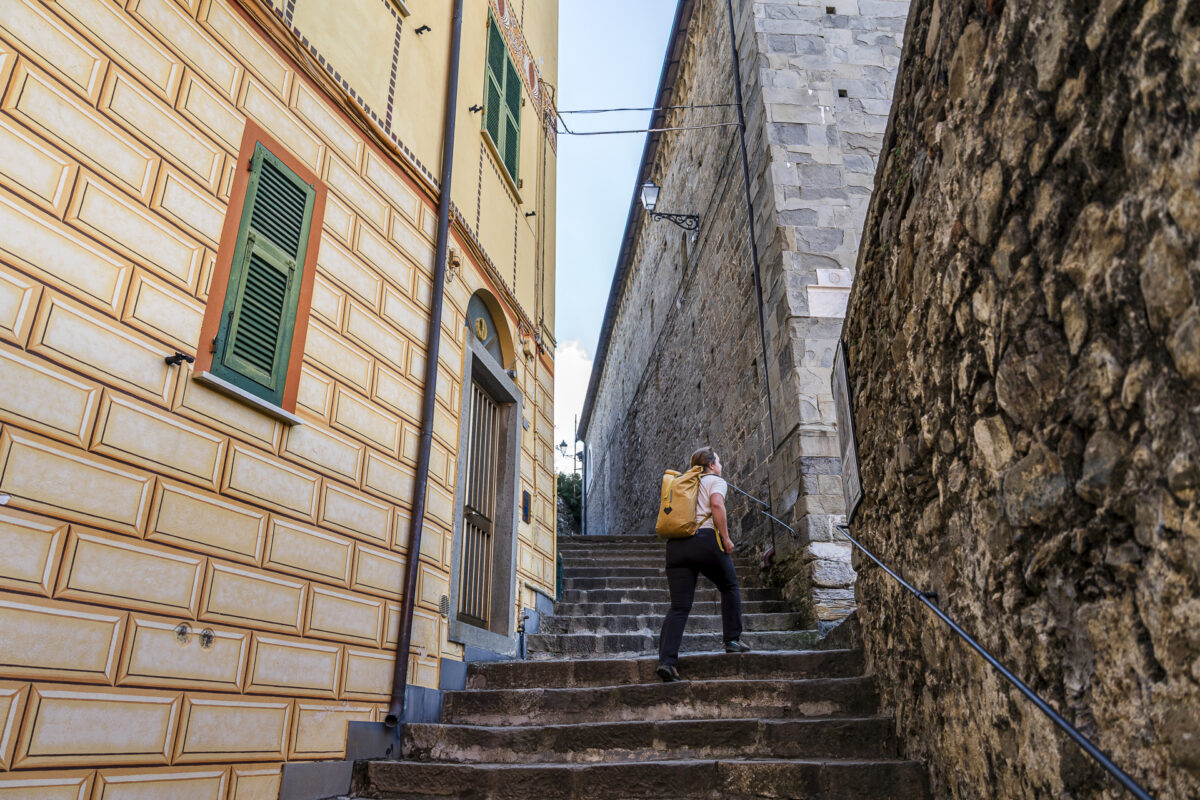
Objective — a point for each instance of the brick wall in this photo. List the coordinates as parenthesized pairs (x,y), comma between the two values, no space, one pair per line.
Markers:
(193,592)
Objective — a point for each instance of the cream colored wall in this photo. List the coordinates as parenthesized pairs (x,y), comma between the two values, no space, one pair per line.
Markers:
(140,500)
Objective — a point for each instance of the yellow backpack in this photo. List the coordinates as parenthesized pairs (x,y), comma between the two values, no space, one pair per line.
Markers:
(677,504)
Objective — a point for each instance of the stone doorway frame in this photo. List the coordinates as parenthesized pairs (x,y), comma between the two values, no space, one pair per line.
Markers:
(500,637)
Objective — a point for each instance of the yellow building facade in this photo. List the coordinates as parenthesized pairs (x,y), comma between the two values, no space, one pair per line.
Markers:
(201,563)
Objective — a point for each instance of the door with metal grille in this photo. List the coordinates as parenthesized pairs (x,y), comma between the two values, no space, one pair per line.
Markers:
(479,509)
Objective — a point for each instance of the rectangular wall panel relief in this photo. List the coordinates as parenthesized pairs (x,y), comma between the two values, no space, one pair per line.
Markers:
(344,617)
(255,782)
(117,571)
(224,728)
(287,666)
(197,783)
(63,258)
(47,108)
(42,475)
(188,206)
(158,440)
(48,399)
(253,598)
(378,571)
(324,450)
(320,729)
(31,545)
(198,402)
(204,107)
(368,674)
(336,356)
(34,170)
(308,552)
(259,478)
(48,640)
(19,297)
(131,230)
(312,109)
(42,37)
(102,348)
(79,726)
(166,652)
(127,43)
(158,126)
(191,518)
(47,785)
(12,708)
(355,514)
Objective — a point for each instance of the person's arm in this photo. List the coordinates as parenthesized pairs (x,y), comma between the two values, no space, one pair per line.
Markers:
(721,521)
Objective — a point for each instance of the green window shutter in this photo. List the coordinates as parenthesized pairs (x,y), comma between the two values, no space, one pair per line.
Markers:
(502,100)
(512,122)
(254,339)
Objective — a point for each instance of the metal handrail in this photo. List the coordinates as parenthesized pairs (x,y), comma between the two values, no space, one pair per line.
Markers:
(928,599)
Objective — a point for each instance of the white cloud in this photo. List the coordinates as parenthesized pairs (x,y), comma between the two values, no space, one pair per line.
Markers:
(572,368)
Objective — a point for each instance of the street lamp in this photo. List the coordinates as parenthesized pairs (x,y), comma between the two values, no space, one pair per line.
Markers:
(689,222)
(576,459)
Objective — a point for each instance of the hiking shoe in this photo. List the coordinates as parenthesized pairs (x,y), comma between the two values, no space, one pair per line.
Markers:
(668,673)
(735,646)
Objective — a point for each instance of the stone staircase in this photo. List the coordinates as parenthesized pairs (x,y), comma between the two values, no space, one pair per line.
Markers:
(586,717)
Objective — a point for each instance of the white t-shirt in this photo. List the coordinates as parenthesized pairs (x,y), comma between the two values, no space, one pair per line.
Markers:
(709,485)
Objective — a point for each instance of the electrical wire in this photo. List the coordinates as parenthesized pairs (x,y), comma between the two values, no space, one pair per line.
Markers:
(651,108)
(570,132)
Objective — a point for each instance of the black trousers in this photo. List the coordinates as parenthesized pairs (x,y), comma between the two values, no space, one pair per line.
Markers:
(687,558)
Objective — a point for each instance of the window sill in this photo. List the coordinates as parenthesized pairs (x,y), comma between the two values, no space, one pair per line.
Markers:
(503,170)
(237,393)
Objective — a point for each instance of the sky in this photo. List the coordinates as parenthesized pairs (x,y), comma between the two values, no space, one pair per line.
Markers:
(610,55)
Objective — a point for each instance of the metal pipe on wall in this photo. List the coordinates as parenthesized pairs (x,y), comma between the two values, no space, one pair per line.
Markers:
(762,324)
(408,599)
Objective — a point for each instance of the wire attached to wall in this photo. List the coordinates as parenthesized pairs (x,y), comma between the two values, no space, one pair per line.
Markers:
(567,130)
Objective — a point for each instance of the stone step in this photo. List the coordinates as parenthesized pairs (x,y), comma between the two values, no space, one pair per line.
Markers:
(654,573)
(658,581)
(687,779)
(666,740)
(631,568)
(705,592)
(587,645)
(639,609)
(571,541)
(717,699)
(696,623)
(575,673)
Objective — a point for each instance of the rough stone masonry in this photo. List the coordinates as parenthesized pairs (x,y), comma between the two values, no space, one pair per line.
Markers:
(680,362)
(1024,340)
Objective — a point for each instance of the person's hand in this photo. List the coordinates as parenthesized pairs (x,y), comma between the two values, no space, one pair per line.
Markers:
(727,544)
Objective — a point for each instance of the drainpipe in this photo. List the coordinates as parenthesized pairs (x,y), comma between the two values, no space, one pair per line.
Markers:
(408,599)
(762,325)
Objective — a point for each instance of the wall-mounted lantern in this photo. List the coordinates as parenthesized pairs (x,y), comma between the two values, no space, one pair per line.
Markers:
(689,222)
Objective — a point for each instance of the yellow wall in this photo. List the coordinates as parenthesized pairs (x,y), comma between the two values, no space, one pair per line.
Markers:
(141,500)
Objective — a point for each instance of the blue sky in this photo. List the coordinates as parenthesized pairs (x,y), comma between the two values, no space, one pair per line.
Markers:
(610,55)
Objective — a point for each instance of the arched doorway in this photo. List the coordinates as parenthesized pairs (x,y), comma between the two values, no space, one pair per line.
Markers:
(483,573)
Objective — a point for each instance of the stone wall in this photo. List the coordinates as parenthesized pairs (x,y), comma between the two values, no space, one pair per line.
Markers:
(683,365)
(1025,350)
(816,86)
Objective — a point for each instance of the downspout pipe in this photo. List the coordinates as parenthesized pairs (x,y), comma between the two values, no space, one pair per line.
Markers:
(408,598)
(741,114)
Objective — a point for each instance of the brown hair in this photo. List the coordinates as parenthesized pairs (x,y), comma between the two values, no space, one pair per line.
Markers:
(704,457)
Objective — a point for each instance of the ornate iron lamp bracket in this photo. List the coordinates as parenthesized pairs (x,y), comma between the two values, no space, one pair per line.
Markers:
(689,222)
